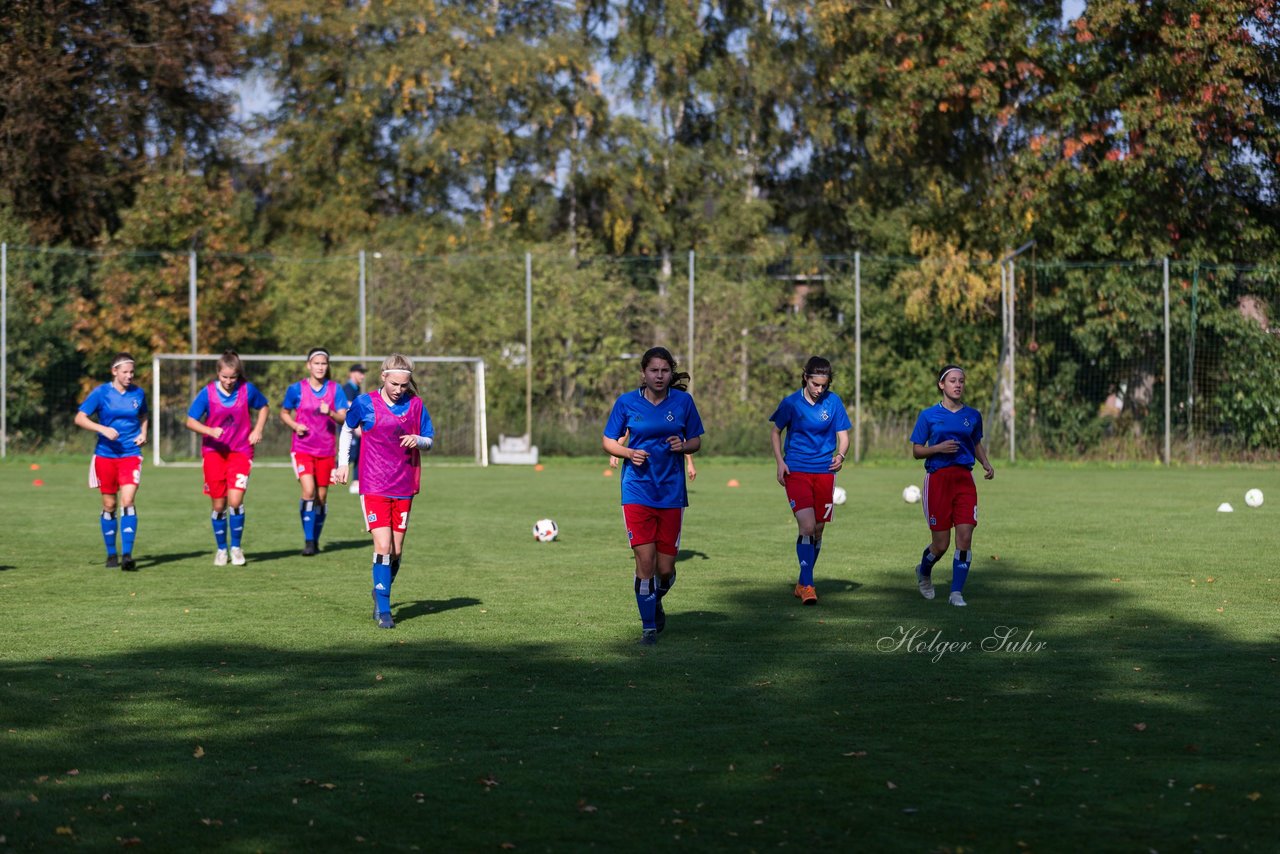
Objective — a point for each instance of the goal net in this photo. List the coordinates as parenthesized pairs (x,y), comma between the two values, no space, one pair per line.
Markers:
(452,387)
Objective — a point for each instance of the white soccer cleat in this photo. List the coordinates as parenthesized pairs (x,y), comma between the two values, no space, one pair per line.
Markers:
(956,599)
(237,558)
(925,583)
(220,557)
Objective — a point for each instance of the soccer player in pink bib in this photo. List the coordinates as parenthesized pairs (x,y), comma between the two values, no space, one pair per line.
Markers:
(223,413)
(817,428)
(948,437)
(312,410)
(395,428)
(116,468)
(661,425)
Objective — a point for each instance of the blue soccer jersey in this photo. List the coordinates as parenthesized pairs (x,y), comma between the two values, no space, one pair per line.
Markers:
(811,430)
(660,481)
(360,414)
(124,412)
(200,405)
(938,424)
(293,395)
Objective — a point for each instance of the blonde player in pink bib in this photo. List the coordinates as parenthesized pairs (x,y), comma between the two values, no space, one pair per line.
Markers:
(395,428)
(223,413)
(312,410)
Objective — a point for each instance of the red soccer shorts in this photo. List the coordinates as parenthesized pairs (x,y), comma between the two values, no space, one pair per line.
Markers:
(811,490)
(383,512)
(950,498)
(107,475)
(224,472)
(321,468)
(659,525)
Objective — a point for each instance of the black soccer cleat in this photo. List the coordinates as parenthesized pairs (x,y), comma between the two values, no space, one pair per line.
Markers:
(310,549)
(112,562)
(128,564)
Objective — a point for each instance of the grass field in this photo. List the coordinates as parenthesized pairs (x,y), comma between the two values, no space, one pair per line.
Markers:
(257,708)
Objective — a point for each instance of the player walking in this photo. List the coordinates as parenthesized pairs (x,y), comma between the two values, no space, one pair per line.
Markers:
(222,413)
(817,428)
(312,409)
(116,467)
(662,425)
(948,437)
(395,429)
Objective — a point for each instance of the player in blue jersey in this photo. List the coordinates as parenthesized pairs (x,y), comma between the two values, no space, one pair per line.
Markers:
(817,428)
(948,437)
(116,468)
(223,413)
(662,425)
(313,409)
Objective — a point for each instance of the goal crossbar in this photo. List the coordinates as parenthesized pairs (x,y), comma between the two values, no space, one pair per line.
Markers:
(480,430)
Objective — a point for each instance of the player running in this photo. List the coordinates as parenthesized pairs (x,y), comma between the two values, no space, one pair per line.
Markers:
(662,425)
(222,413)
(817,428)
(116,467)
(312,409)
(948,437)
(395,429)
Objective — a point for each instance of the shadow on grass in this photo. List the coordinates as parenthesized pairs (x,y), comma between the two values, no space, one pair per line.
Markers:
(325,548)
(689,554)
(1128,730)
(411,610)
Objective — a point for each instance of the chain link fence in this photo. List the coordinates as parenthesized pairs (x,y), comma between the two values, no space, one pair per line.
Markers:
(1066,360)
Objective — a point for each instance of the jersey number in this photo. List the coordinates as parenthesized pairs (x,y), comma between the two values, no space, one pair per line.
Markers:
(242,481)
(827,515)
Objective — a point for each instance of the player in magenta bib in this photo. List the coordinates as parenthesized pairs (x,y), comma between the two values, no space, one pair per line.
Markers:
(312,409)
(817,428)
(948,437)
(395,428)
(223,414)
(661,425)
(116,467)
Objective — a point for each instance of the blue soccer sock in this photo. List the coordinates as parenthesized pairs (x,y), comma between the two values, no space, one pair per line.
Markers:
(237,525)
(382,582)
(307,510)
(804,553)
(665,583)
(927,560)
(959,569)
(128,529)
(107,521)
(322,510)
(219,518)
(647,601)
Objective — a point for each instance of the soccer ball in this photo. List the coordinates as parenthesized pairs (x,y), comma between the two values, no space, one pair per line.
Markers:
(545,530)
(911,494)
(1253,498)
(838,495)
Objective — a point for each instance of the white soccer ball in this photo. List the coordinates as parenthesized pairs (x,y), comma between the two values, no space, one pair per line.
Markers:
(838,495)
(1253,498)
(911,494)
(545,530)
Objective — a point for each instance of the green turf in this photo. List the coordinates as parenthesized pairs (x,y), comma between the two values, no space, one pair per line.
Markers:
(258,708)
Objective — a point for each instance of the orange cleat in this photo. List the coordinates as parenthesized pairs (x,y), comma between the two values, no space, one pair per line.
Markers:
(806,594)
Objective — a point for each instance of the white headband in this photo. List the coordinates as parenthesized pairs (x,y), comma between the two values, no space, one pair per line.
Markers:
(120,362)
(949,370)
(397,371)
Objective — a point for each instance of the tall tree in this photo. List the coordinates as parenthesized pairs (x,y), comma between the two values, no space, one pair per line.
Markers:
(92,93)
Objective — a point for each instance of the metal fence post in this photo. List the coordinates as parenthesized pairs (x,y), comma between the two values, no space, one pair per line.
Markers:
(4,350)
(857,357)
(689,357)
(192,320)
(1168,384)
(364,351)
(1013,374)
(528,350)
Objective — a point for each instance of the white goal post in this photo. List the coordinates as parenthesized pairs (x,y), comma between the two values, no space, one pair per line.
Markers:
(451,386)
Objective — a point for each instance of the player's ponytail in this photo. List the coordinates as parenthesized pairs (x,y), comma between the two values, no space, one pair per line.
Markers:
(402,363)
(679,381)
